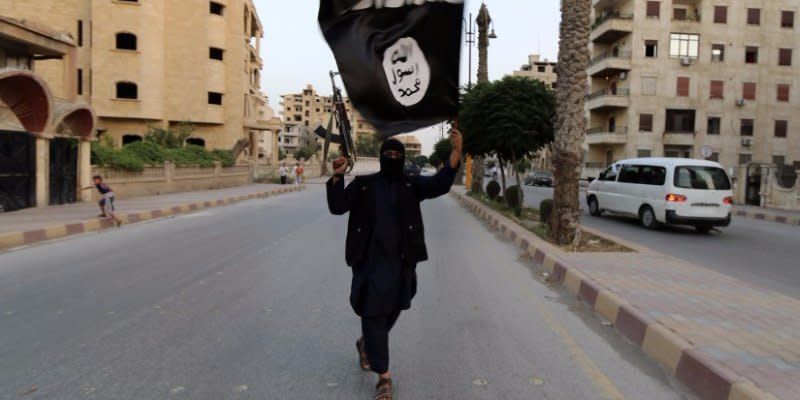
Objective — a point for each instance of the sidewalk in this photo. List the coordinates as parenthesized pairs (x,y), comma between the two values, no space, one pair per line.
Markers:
(720,337)
(788,217)
(38,224)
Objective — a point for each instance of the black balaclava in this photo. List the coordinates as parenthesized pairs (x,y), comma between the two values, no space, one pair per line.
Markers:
(390,167)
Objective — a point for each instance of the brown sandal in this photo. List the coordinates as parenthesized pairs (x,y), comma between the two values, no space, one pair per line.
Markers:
(384,389)
(363,360)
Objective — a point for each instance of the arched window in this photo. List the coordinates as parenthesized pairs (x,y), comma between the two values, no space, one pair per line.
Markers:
(127,90)
(126,41)
(128,139)
(196,142)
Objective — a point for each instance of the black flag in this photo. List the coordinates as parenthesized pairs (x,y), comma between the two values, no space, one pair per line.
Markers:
(399,59)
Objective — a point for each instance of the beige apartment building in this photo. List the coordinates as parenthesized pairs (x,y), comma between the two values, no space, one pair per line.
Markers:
(304,112)
(542,70)
(412,143)
(161,63)
(713,79)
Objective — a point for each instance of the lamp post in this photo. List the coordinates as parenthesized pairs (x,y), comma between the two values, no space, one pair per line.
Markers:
(484,20)
(470,33)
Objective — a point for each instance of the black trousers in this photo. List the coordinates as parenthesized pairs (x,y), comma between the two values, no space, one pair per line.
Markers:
(283,180)
(375,332)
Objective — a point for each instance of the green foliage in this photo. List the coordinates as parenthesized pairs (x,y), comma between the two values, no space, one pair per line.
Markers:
(168,138)
(304,153)
(511,118)
(148,152)
(420,161)
(514,199)
(281,154)
(523,165)
(225,157)
(545,210)
(493,190)
(368,146)
(441,152)
(135,156)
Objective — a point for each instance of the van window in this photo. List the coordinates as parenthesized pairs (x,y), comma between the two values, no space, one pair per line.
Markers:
(650,175)
(702,178)
(629,174)
(609,175)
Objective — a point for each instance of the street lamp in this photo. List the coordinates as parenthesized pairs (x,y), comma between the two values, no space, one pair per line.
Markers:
(469,27)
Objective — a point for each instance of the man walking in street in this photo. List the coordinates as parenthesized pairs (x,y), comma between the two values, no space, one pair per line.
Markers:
(385,241)
(284,172)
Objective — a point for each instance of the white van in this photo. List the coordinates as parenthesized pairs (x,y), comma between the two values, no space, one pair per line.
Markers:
(674,191)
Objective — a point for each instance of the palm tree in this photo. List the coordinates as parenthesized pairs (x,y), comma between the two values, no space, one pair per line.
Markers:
(573,60)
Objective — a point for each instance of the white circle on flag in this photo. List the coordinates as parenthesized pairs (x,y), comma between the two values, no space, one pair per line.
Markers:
(407,71)
(706,151)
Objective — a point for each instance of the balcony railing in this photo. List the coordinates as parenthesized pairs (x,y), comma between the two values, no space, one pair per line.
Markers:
(622,55)
(608,92)
(609,16)
(598,130)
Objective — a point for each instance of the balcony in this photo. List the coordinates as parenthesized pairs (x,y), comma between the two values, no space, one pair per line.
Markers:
(608,64)
(611,27)
(598,136)
(608,99)
(679,138)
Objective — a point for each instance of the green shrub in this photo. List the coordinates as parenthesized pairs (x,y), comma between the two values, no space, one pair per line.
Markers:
(149,153)
(545,210)
(514,199)
(493,190)
(125,161)
(304,153)
(101,154)
(225,157)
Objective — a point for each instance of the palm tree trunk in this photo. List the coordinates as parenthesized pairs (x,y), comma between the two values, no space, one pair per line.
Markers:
(573,60)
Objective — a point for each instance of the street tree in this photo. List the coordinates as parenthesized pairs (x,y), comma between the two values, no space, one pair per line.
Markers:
(441,152)
(511,118)
(420,161)
(368,146)
(573,60)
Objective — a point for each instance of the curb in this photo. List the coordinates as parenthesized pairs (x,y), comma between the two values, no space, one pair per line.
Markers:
(769,217)
(702,375)
(26,238)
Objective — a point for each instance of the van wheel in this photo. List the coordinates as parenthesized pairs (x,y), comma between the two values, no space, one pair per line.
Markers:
(648,217)
(703,229)
(594,207)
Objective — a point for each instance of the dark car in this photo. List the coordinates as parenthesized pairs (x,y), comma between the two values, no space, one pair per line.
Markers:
(412,169)
(539,178)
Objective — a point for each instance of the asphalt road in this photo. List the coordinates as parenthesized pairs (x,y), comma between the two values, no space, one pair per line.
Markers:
(762,253)
(250,302)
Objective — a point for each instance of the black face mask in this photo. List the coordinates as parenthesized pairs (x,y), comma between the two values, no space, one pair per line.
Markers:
(392,168)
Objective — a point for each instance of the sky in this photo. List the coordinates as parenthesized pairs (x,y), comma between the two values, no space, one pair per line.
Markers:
(295,53)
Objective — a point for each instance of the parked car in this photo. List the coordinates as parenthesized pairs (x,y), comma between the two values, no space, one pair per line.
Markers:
(412,169)
(539,178)
(673,191)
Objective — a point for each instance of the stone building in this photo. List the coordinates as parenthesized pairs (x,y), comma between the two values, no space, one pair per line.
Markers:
(542,70)
(161,63)
(413,145)
(694,78)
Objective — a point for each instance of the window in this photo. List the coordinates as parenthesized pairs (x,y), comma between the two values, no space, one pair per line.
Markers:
(779,160)
(653,9)
(783,92)
(720,14)
(215,8)
(717,88)
(787,19)
(609,175)
(196,142)
(80,33)
(683,86)
(679,14)
(717,53)
(645,122)
(753,16)
(126,41)
(680,121)
(749,90)
(746,128)
(643,153)
(683,45)
(781,128)
(651,48)
(541,68)
(785,57)
(215,98)
(714,126)
(130,138)
(127,90)
(751,55)
(629,174)
(649,84)
(80,82)
(650,175)
(702,178)
(745,158)
(215,53)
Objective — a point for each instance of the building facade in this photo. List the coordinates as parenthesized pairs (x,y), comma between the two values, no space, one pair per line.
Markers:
(161,63)
(303,112)
(412,143)
(542,70)
(704,79)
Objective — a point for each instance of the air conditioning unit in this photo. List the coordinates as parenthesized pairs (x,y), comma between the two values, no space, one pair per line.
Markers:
(623,76)
(747,142)
(740,102)
(686,61)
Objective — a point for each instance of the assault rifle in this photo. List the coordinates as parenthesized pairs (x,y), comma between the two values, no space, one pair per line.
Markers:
(345,137)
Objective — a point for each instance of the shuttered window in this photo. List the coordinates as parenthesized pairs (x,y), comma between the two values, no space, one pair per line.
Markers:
(653,9)
(683,86)
(749,90)
(645,122)
(716,89)
(720,14)
(783,92)
(747,127)
(754,16)
(785,57)
(781,128)
(787,19)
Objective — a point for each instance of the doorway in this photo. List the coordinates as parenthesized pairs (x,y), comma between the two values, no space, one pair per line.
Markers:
(17,171)
(63,171)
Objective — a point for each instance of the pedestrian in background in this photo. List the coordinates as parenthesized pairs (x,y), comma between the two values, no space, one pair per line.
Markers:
(298,174)
(385,241)
(106,203)
(284,172)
